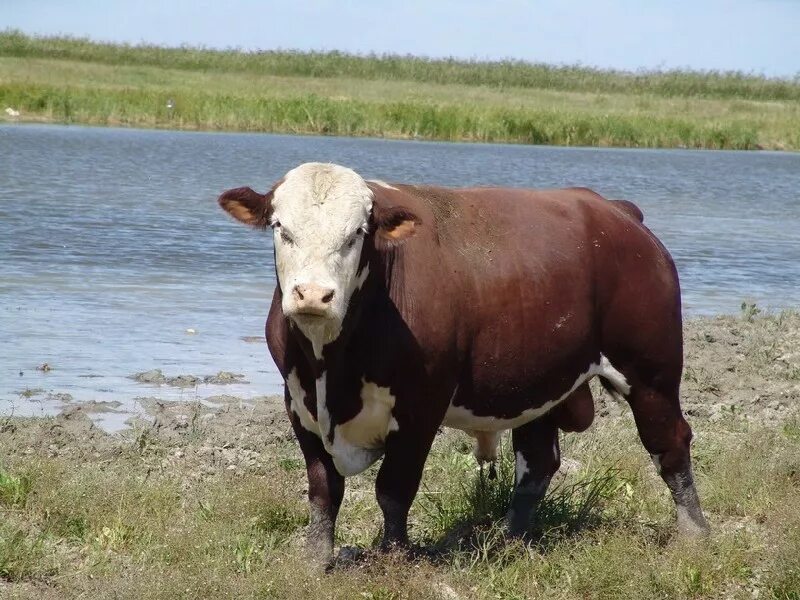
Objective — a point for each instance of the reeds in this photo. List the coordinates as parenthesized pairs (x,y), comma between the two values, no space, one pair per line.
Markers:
(505,73)
(312,114)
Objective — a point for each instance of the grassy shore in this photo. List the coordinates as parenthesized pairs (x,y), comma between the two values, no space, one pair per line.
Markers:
(79,81)
(208,501)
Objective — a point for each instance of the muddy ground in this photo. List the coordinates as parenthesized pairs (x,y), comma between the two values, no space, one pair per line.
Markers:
(746,365)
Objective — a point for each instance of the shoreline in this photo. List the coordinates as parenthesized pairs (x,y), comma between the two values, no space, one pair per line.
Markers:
(732,364)
(711,138)
(44,121)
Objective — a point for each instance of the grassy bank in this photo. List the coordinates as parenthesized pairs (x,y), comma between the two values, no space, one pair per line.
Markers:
(78,81)
(143,522)
(208,501)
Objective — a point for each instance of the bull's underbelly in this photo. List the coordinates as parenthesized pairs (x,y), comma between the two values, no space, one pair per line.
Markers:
(358,443)
(471,419)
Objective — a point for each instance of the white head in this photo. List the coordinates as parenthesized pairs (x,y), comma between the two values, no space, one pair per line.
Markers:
(321,215)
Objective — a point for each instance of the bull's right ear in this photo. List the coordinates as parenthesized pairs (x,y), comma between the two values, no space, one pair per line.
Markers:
(248,206)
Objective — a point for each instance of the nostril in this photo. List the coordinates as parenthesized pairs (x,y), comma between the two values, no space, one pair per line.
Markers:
(327,297)
(299,293)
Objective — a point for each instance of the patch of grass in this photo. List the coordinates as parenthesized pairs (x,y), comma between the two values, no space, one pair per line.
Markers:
(467,498)
(14,489)
(791,429)
(24,555)
(575,506)
(142,525)
(749,311)
(473,500)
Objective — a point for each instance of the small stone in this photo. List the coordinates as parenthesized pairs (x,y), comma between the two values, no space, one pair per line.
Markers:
(151,376)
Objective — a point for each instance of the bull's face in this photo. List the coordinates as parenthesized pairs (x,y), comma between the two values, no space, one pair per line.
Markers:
(321,215)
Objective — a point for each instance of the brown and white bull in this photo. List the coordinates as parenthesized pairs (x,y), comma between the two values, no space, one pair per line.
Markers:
(403,308)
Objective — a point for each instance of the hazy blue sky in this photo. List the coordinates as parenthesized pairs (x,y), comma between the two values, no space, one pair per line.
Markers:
(749,35)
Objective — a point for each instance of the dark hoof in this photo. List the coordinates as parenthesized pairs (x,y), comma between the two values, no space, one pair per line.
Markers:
(349,556)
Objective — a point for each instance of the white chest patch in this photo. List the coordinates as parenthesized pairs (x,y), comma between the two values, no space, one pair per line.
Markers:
(298,403)
(358,443)
(463,418)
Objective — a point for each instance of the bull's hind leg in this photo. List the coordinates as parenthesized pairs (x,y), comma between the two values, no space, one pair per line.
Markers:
(653,397)
(538,457)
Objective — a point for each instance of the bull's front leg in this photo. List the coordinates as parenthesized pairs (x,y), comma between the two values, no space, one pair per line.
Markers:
(398,480)
(325,493)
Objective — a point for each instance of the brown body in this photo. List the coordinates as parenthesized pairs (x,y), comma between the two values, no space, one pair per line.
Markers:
(480,305)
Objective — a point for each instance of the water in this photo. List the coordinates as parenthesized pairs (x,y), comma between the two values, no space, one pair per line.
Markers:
(112,245)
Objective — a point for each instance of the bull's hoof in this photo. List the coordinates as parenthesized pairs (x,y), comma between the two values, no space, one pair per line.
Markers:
(516,525)
(349,556)
(692,527)
(319,553)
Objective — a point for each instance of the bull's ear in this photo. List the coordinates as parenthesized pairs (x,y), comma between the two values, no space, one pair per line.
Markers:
(395,223)
(248,206)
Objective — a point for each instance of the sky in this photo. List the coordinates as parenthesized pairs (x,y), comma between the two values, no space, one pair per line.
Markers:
(758,36)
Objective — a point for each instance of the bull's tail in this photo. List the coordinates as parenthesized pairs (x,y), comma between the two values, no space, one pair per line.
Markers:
(629,208)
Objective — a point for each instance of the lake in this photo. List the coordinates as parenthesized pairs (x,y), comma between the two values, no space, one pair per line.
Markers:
(113,249)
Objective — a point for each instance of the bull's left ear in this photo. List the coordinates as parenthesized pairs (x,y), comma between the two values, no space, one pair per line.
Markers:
(395,223)
(248,206)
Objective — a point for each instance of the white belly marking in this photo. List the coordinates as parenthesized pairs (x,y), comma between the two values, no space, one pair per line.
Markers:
(463,418)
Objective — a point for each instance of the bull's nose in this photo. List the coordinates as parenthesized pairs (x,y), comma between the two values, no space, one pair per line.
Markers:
(312,298)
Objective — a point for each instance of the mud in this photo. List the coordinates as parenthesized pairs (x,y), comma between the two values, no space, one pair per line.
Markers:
(156,377)
(747,368)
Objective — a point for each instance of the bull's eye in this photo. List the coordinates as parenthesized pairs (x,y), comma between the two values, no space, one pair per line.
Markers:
(285,237)
(352,241)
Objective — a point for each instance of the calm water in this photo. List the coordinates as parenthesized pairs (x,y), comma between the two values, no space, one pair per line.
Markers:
(112,245)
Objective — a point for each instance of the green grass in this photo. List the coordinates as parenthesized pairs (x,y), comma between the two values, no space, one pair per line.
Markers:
(78,81)
(144,525)
(13,489)
(507,73)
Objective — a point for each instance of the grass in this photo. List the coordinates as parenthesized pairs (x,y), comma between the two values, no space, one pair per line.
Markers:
(144,525)
(79,81)
(506,73)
